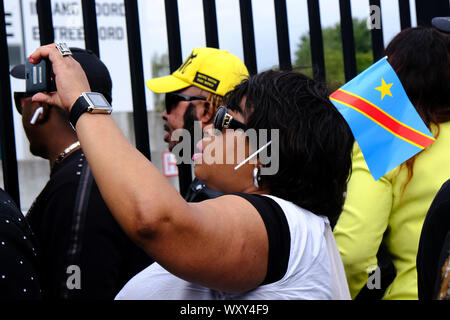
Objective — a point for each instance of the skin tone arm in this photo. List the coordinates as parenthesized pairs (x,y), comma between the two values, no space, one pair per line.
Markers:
(205,243)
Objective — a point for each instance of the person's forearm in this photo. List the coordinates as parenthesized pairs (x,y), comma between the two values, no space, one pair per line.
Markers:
(138,195)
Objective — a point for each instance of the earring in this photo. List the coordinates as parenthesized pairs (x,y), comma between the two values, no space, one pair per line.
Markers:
(256,177)
(36,115)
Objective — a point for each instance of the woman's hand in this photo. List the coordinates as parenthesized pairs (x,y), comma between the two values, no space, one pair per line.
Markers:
(70,78)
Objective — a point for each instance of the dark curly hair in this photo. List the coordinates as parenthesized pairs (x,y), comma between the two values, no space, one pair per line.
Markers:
(421,58)
(315,140)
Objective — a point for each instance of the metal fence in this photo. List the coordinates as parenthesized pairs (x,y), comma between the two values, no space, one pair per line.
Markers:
(425,10)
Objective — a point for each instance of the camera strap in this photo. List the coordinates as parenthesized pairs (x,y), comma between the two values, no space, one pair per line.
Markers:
(78,221)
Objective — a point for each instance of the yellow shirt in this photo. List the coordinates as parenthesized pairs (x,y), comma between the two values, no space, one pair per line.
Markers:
(376,211)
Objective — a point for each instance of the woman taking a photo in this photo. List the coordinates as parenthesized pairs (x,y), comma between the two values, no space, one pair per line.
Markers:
(269,237)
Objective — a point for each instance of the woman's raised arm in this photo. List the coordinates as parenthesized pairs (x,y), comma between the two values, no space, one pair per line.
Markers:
(205,243)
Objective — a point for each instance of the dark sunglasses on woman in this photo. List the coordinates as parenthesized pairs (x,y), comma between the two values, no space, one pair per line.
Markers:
(172,99)
(223,120)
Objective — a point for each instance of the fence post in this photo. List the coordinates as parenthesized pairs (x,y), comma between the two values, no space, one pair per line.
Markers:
(427,10)
(377,33)
(316,40)
(210,17)
(90,26)
(284,50)
(248,36)
(173,34)
(405,14)
(7,138)
(46,32)
(348,40)
(175,60)
(137,78)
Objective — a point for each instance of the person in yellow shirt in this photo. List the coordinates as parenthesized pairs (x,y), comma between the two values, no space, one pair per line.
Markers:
(390,212)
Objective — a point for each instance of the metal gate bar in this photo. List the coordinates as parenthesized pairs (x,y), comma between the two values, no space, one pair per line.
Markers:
(7,137)
(377,35)
(348,40)
(46,32)
(405,14)
(210,17)
(426,10)
(316,40)
(175,60)
(248,36)
(141,131)
(90,26)
(284,50)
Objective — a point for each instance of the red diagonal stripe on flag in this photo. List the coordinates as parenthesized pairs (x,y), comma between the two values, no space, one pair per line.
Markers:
(383,119)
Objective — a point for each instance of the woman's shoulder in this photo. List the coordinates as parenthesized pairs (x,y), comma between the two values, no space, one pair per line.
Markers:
(290,208)
(297,218)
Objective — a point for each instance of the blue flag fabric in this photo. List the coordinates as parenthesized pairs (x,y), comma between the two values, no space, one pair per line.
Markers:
(383,120)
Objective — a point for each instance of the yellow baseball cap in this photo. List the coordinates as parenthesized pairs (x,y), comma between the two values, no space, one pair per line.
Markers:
(213,70)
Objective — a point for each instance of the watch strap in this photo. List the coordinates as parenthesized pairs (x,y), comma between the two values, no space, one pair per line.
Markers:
(79,107)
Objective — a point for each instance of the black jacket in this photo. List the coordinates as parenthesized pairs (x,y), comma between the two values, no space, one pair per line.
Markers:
(19,279)
(84,252)
(434,245)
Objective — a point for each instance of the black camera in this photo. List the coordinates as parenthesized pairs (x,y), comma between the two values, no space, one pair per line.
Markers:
(39,77)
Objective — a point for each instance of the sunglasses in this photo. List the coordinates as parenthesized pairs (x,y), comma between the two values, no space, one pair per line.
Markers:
(18,96)
(223,120)
(172,99)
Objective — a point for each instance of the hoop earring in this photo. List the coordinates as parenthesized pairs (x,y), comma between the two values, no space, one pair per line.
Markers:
(256,177)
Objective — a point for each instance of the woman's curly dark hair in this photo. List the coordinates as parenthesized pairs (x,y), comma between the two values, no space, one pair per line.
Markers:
(421,58)
(315,141)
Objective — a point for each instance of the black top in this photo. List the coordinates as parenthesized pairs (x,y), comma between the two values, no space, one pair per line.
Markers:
(442,285)
(274,220)
(85,254)
(431,255)
(18,254)
(278,234)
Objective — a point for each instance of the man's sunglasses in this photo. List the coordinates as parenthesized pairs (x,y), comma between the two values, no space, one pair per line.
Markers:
(172,99)
(18,96)
(223,120)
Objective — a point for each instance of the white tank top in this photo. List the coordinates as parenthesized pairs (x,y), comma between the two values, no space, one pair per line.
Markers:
(315,270)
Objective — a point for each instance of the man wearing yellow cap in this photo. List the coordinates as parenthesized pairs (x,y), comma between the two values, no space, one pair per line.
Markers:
(193,93)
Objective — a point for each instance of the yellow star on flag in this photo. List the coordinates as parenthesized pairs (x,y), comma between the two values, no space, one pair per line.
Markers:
(385,89)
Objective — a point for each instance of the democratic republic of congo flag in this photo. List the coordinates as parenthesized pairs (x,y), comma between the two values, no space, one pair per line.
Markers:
(383,120)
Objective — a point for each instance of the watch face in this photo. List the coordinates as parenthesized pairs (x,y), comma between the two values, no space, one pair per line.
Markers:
(98,100)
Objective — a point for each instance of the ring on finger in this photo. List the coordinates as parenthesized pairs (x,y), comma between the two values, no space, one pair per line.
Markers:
(63,49)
